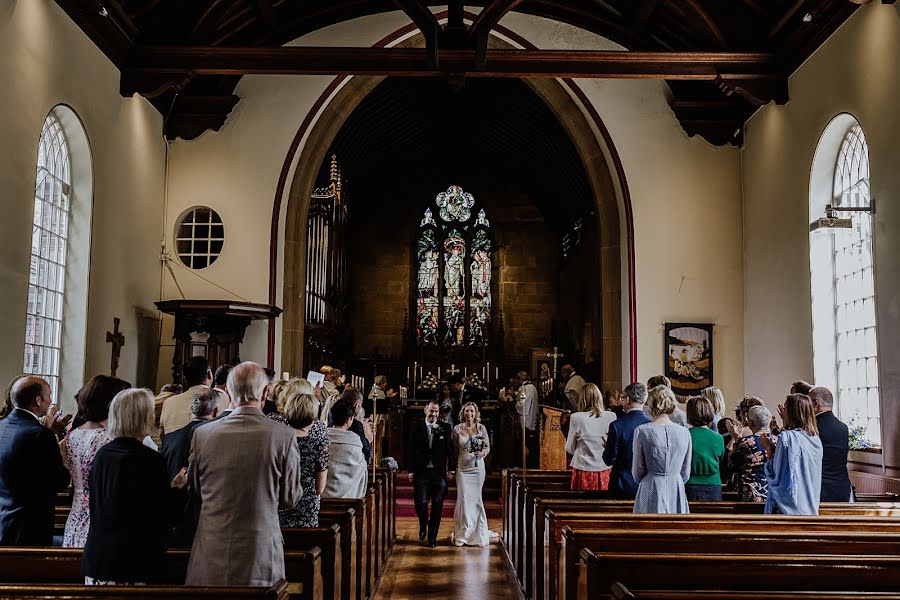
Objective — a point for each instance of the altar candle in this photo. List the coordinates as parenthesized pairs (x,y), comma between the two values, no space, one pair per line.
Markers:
(466,372)
(407,373)
(497,372)
(439,372)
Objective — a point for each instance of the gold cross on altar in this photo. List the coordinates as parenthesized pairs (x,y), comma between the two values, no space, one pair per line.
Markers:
(117,339)
(453,370)
(555,355)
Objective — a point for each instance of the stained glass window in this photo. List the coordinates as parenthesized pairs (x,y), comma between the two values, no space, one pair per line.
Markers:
(453,284)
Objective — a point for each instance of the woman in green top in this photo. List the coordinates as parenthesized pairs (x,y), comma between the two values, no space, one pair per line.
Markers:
(705,483)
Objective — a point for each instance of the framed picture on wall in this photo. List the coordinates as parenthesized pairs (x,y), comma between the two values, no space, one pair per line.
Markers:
(688,358)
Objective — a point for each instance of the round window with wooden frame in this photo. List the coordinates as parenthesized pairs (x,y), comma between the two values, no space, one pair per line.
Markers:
(199,237)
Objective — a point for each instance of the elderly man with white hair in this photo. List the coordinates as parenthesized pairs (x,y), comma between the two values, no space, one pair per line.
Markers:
(242,469)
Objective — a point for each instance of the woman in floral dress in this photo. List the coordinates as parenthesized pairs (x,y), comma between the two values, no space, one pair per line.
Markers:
(748,458)
(81,445)
(300,410)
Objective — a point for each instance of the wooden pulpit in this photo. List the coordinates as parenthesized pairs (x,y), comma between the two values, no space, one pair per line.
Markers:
(553,442)
(211,328)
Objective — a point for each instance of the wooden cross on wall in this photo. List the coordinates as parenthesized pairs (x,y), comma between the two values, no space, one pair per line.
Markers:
(117,339)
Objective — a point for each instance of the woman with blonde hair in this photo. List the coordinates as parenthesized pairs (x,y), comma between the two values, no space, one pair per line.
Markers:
(662,458)
(717,399)
(470,526)
(794,465)
(300,409)
(586,441)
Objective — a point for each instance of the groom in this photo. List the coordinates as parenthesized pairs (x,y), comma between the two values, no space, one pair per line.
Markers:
(431,458)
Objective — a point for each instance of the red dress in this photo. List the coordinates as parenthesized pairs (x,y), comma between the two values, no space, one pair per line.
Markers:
(590,480)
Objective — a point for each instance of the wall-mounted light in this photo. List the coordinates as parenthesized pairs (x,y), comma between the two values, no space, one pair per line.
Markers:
(831,220)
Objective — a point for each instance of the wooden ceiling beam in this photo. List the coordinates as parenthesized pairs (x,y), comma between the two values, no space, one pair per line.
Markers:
(413,62)
(644,13)
(267,13)
(424,19)
(487,19)
(786,17)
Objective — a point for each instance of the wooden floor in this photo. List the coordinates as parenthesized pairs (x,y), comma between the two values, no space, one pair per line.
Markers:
(417,571)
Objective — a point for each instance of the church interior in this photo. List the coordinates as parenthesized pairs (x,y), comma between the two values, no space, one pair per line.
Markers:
(484,193)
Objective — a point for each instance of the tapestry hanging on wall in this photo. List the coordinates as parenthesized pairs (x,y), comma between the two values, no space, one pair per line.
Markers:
(688,357)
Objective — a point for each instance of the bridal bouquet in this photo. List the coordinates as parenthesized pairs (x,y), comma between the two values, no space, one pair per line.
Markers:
(476,443)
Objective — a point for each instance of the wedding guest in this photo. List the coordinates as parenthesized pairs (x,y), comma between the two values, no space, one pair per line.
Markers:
(220,383)
(794,465)
(80,447)
(586,441)
(717,399)
(176,411)
(528,407)
(347,475)
(165,392)
(801,387)
(362,428)
(276,402)
(7,401)
(448,405)
(614,402)
(619,451)
(269,403)
(662,458)
(130,494)
(300,409)
(748,458)
(679,416)
(464,392)
(31,465)
(378,397)
(707,451)
(242,469)
(835,438)
(176,449)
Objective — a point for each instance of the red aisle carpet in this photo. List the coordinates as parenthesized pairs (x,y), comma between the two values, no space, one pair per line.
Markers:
(490,493)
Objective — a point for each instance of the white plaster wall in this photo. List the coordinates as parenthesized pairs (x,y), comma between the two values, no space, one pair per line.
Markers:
(47,61)
(855,71)
(686,194)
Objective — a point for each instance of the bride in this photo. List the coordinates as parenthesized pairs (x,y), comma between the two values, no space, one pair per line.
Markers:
(469,517)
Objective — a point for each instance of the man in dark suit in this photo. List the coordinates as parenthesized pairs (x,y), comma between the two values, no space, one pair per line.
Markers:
(835,438)
(464,392)
(431,459)
(619,453)
(31,467)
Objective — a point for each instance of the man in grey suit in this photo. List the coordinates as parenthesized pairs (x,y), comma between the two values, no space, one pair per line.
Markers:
(242,469)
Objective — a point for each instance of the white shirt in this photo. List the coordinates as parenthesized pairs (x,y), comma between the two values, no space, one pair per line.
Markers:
(587,440)
(176,410)
(573,389)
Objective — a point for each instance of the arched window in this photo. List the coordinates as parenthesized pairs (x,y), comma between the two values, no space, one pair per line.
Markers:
(56,310)
(845,350)
(453,283)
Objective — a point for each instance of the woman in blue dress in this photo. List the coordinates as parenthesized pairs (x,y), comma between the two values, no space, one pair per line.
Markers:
(794,464)
(662,458)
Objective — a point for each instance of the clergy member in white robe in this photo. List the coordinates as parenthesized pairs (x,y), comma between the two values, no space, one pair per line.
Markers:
(574,384)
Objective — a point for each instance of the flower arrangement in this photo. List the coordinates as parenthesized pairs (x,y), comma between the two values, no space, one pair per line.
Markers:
(388,462)
(475,381)
(858,439)
(475,444)
(429,382)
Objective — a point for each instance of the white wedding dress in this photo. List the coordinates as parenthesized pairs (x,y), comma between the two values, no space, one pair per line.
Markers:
(470,526)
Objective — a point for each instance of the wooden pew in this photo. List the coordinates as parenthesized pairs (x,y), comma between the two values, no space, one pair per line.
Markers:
(63,565)
(598,572)
(550,515)
(32,591)
(620,592)
(350,569)
(361,507)
(784,540)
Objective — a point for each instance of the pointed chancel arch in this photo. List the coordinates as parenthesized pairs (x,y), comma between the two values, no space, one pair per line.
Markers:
(601,164)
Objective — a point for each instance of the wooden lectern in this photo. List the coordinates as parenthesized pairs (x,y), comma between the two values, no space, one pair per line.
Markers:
(553,442)
(211,328)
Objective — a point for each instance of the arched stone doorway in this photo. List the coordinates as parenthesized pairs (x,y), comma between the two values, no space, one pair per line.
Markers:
(593,157)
